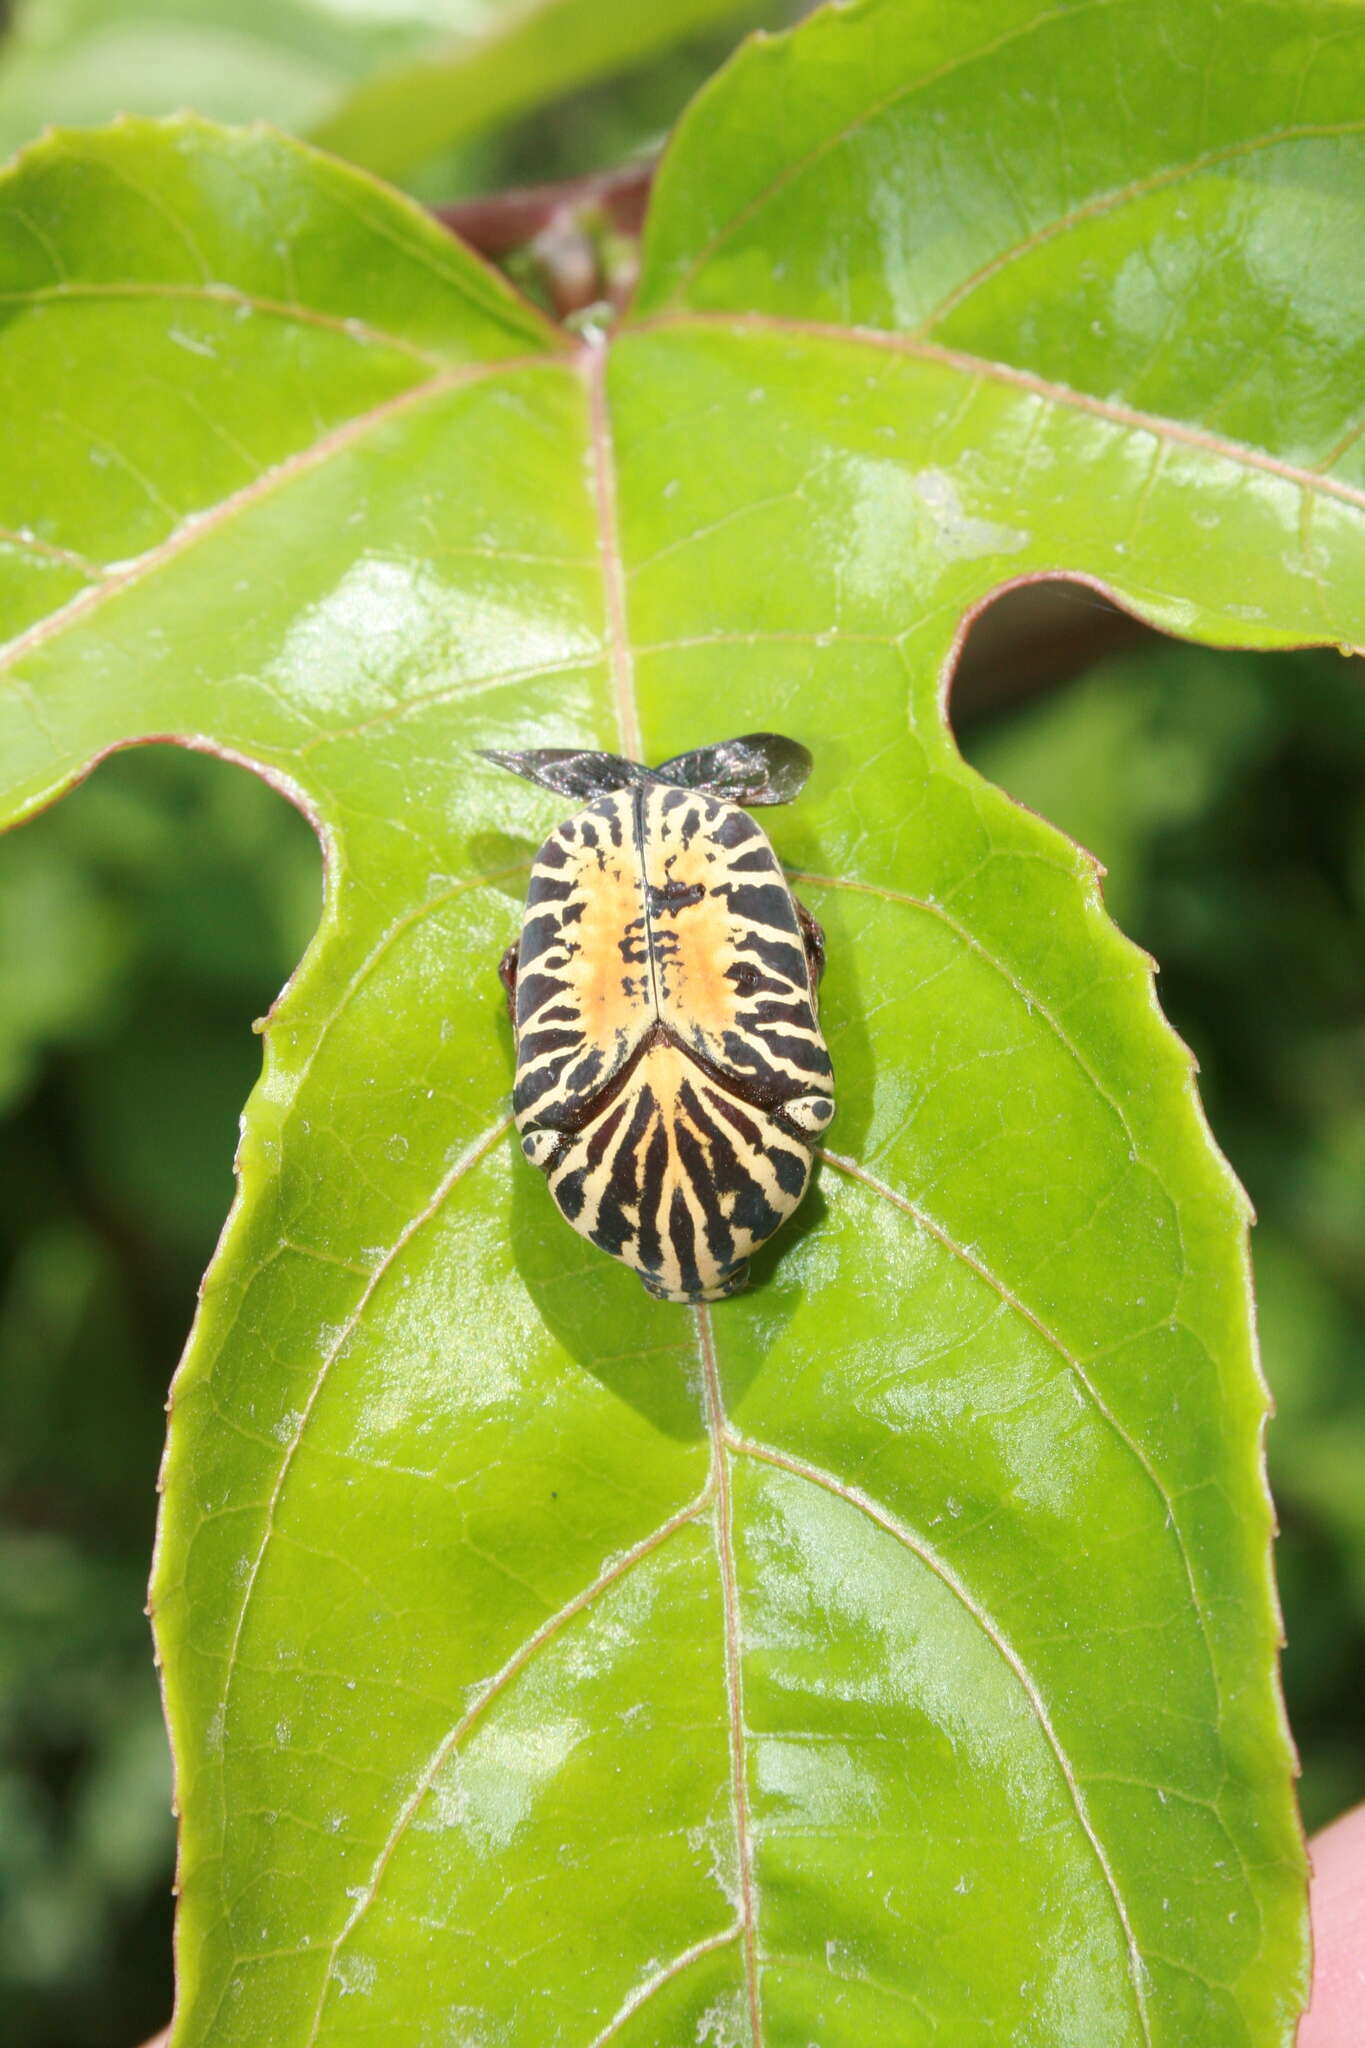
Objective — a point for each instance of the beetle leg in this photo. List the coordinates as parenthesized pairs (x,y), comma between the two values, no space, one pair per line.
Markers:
(814,938)
(507,975)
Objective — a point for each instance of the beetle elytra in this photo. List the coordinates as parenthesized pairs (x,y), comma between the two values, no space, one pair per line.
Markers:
(672,1080)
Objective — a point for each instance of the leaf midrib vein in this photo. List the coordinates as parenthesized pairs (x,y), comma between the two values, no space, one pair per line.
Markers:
(593,361)
(603,482)
(723,1522)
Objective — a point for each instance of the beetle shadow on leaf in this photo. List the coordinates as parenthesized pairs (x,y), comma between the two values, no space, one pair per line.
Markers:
(770,1273)
(503,861)
(643,1351)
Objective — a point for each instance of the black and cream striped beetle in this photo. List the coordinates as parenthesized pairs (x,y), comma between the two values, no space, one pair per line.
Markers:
(672,1080)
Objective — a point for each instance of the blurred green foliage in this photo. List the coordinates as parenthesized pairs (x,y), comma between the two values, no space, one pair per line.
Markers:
(143,923)
(298,63)
(382,84)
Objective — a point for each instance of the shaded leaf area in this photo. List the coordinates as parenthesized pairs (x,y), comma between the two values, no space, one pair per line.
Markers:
(390,88)
(892,1649)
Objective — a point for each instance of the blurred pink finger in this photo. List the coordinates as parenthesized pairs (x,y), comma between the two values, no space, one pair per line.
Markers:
(1336,2016)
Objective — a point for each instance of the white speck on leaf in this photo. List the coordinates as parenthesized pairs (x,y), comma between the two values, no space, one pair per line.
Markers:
(195,343)
(355,1973)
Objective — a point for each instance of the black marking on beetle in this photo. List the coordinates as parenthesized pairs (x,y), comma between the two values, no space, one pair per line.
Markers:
(779,956)
(683,1232)
(754,1213)
(730,1109)
(792,1171)
(602,1136)
(536,989)
(777,1009)
(747,978)
(571,1192)
(768,904)
(548,889)
(535,1045)
(675,896)
(538,935)
(735,829)
(623,1184)
(655,1163)
(531,1088)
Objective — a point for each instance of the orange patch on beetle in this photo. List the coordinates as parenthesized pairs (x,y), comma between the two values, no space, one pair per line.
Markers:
(609,970)
(692,938)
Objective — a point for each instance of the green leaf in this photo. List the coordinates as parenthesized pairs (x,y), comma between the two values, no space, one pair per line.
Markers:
(889,1654)
(385,86)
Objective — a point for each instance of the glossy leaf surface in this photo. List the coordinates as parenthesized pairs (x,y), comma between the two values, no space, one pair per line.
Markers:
(889,1655)
(385,86)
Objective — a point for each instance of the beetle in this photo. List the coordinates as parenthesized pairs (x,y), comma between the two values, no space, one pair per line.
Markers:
(671,1079)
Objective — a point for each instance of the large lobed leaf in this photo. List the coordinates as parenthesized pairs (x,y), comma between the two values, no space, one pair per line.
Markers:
(890,1653)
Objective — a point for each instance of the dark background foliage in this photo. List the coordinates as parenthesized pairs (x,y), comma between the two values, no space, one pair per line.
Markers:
(150,917)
